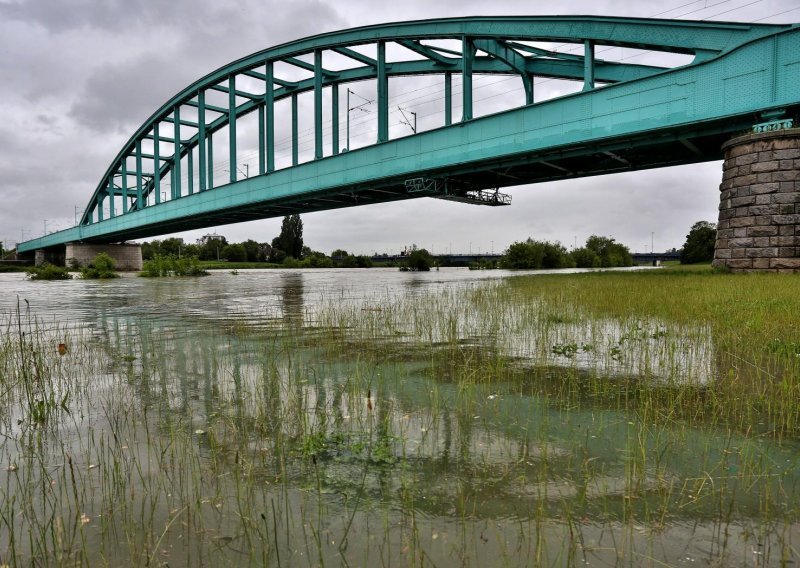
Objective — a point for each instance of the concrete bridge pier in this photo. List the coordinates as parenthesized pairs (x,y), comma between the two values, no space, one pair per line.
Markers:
(759,211)
(127,256)
(52,255)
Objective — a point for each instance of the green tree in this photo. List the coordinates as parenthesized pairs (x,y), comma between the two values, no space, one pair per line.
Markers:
(699,245)
(317,259)
(211,247)
(234,253)
(610,252)
(363,261)
(290,241)
(256,252)
(536,254)
(420,260)
(585,258)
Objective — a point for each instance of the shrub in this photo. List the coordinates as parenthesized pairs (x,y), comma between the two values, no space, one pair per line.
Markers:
(49,272)
(161,266)
(101,267)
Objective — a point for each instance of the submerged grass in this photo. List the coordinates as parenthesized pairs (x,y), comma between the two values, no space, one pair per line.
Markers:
(613,419)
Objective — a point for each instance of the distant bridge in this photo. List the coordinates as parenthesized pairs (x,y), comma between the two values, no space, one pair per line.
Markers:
(626,116)
(467,258)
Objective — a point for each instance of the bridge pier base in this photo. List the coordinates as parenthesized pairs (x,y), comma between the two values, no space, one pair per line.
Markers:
(759,211)
(53,255)
(126,256)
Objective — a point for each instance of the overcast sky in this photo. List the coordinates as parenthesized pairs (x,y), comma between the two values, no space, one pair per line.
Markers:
(77,77)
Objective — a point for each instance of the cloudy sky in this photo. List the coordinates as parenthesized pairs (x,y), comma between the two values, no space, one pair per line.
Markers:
(77,77)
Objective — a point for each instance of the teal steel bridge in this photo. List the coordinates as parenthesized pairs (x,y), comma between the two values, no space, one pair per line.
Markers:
(624,116)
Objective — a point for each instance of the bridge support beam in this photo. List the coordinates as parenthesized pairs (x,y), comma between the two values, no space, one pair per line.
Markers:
(126,256)
(759,212)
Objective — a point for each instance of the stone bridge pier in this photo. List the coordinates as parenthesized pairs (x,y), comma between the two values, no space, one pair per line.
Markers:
(127,256)
(759,211)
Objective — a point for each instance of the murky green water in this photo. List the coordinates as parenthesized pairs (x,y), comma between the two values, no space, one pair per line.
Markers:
(365,418)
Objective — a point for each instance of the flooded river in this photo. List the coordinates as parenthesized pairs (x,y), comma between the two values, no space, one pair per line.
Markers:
(367,418)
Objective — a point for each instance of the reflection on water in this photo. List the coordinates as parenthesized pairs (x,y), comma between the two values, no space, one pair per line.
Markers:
(371,417)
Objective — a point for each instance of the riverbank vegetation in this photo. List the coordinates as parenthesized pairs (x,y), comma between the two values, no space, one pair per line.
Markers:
(636,418)
(101,268)
(47,271)
(599,252)
(162,266)
(699,245)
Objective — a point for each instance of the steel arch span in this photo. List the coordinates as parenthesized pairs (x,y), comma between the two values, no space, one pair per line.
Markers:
(625,116)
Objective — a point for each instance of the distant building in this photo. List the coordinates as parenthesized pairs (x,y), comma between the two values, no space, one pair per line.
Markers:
(205,239)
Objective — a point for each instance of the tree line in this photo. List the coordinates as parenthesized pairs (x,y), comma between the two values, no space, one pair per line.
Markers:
(286,249)
(598,252)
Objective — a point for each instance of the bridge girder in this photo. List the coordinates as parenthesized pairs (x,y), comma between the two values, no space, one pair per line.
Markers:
(135,175)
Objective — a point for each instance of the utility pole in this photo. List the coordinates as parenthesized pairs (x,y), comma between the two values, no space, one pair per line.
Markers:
(407,122)
(357,107)
(45,226)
